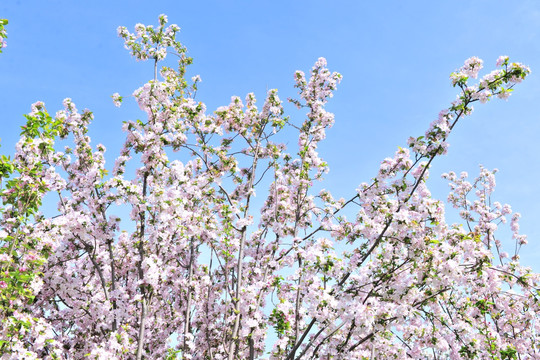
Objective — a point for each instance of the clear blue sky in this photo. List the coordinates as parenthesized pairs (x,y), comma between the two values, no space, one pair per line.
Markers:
(395,58)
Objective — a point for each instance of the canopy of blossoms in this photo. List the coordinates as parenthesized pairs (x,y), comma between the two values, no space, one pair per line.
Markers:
(197,271)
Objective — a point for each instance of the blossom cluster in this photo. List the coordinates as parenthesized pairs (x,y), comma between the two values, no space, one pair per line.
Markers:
(149,43)
(3,34)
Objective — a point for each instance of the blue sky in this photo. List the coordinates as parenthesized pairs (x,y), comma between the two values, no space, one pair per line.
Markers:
(395,58)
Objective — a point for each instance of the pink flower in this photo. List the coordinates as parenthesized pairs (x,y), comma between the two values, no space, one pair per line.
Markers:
(502,60)
(472,66)
(117,99)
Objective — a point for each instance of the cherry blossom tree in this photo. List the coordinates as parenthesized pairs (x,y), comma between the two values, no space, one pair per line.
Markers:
(199,271)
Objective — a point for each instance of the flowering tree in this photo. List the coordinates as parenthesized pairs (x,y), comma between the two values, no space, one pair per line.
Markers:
(196,272)
(22,252)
